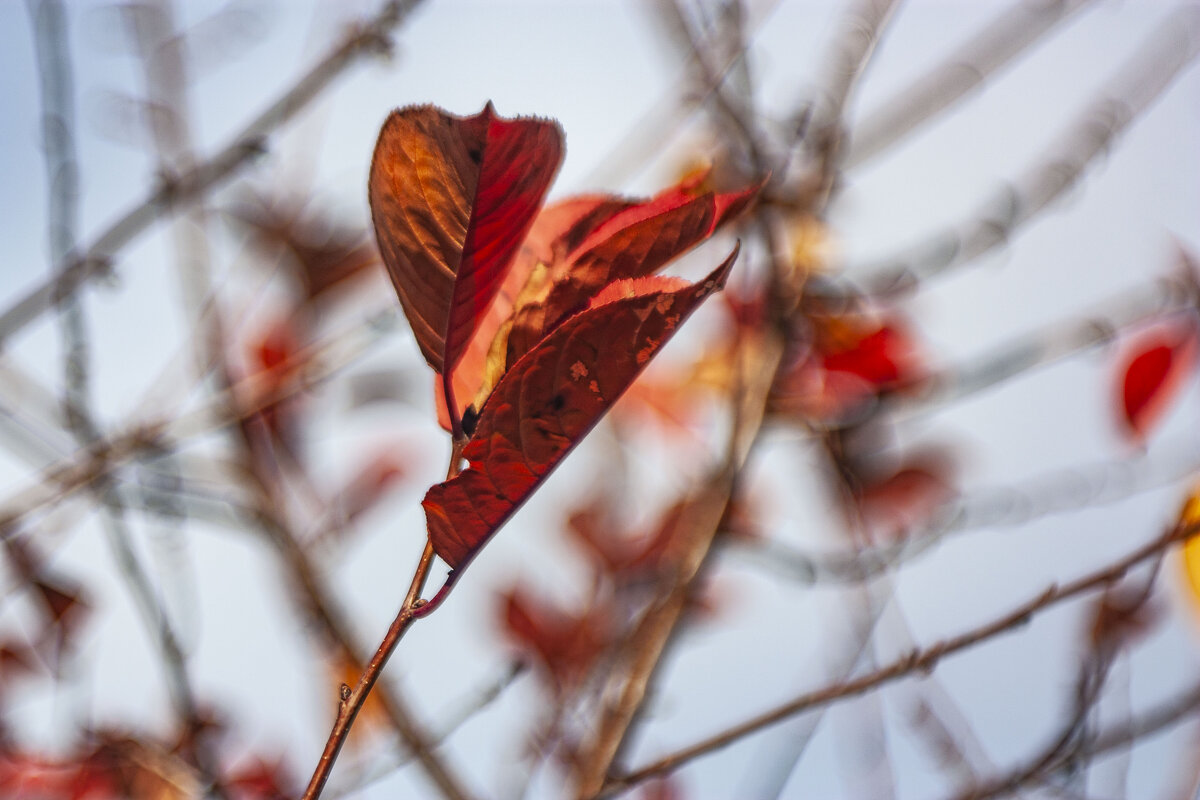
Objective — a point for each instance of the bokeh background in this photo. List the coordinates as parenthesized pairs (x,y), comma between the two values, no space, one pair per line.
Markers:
(622,90)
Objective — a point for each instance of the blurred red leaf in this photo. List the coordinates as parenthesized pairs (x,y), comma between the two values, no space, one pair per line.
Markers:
(451,199)
(324,254)
(275,356)
(17,658)
(1161,362)
(371,483)
(24,775)
(882,357)
(260,779)
(551,398)
(891,505)
(615,552)
(565,646)
(852,362)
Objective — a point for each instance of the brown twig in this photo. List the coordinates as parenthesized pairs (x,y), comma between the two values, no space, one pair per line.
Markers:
(351,700)
(94,261)
(921,660)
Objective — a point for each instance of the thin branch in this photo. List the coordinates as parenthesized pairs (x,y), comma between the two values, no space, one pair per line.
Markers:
(352,700)
(178,191)
(919,661)
(734,114)
(822,125)
(476,702)
(997,43)
(1060,755)
(1151,70)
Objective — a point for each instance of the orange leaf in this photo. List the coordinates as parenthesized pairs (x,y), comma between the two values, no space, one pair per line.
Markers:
(1154,375)
(452,198)
(550,399)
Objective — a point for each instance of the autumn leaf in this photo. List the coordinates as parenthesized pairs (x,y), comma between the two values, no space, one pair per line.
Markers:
(1161,361)
(564,645)
(551,398)
(636,241)
(575,248)
(1189,554)
(323,252)
(452,199)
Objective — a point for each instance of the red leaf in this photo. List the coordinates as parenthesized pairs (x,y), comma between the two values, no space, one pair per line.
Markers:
(635,241)
(565,645)
(549,400)
(1161,362)
(452,198)
(895,504)
(324,253)
(881,358)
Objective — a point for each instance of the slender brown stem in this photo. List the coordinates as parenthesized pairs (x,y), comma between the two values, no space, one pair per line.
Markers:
(352,700)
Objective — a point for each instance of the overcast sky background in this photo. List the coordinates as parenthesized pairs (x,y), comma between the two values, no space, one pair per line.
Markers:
(603,69)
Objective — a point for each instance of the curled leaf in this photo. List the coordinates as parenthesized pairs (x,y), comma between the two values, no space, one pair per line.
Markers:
(633,242)
(551,398)
(452,199)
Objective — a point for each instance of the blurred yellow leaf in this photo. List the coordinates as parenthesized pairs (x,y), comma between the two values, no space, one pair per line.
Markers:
(1190,553)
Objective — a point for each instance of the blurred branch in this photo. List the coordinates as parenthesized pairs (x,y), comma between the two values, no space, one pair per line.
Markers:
(821,127)
(232,406)
(1160,59)
(1053,492)
(713,64)
(1130,309)
(57,88)
(373,36)
(638,661)
(1009,35)
(919,661)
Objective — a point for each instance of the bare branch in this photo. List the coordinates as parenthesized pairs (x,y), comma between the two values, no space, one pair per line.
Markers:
(1049,345)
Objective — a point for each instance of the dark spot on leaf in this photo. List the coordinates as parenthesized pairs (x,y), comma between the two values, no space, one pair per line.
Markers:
(470,418)
(557,402)
(475,154)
